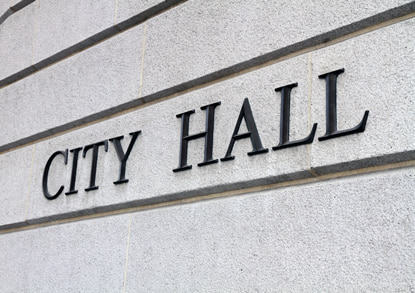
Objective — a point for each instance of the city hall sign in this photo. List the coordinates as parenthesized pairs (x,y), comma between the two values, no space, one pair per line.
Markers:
(245,114)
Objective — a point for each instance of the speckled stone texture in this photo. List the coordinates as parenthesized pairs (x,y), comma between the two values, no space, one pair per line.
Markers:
(63,24)
(351,234)
(330,216)
(156,152)
(96,79)
(86,256)
(201,37)
(16,37)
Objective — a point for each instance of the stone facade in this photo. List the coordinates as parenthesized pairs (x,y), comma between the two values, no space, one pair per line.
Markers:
(145,147)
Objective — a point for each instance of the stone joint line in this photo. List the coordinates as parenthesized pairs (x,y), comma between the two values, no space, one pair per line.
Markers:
(92,40)
(375,22)
(13,9)
(131,208)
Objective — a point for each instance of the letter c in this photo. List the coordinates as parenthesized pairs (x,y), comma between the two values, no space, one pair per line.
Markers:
(46,174)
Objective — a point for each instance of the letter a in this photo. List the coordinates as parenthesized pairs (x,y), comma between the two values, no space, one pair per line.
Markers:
(246,114)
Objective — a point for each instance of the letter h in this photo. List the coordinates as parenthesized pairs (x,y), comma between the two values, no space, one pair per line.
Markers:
(208,134)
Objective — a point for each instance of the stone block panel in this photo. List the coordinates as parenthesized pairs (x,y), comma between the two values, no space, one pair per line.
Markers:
(16,169)
(155,153)
(16,37)
(354,233)
(197,38)
(61,24)
(378,77)
(61,29)
(95,80)
(73,257)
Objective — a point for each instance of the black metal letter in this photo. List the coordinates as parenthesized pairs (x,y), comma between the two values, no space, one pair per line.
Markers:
(331,109)
(285,121)
(257,148)
(74,169)
(123,157)
(94,147)
(46,174)
(208,134)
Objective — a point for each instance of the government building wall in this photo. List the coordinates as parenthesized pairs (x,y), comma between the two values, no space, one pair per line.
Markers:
(207,146)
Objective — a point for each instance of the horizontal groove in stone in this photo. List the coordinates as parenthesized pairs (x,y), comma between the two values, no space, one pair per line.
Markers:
(338,170)
(321,39)
(6,15)
(158,200)
(92,40)
(22,4)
